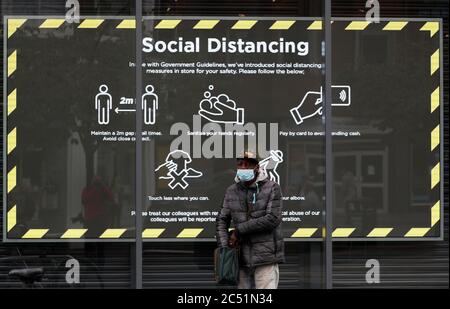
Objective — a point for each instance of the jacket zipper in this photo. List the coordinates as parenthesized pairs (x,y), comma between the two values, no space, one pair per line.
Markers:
(248,217)
(275,244)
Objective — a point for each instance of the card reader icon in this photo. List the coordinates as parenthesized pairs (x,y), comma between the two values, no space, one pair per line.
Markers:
(311,104)
(340,95)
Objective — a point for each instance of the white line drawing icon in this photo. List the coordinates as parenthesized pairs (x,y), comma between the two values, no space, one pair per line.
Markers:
(118,110)
(340,96)
(310,99)
(125,102)
(149,104)
(269,165)
(103,104)
(220,108)
(177,170)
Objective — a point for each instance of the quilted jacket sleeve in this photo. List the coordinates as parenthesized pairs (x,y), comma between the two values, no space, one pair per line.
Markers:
(223,223)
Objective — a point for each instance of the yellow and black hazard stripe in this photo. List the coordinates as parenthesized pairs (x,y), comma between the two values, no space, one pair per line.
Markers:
(13,97)
(130,23)
(11,138)
(433,27)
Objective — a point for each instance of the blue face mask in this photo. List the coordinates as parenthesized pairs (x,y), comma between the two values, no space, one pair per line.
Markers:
(245,174)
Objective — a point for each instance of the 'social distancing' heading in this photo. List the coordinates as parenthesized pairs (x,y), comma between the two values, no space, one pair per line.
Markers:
(223,45)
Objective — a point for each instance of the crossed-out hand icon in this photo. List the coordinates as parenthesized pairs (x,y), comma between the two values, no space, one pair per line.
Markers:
(176,169)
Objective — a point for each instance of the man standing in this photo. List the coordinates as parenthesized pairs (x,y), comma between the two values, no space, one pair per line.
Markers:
(254,205)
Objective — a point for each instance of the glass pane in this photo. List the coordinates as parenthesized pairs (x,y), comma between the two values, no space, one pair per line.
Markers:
(218,80)
(387,147)
(69,197)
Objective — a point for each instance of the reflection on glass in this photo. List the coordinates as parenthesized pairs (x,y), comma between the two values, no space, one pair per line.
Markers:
(384,148)
(221,89)
(69,174)
(65,184)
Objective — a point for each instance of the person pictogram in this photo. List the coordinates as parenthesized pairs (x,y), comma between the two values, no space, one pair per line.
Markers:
(103,105)
(269,165)
(149,104)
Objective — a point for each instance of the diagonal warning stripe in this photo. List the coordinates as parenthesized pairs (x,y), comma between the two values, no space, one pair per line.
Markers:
(12,140)
(343,232)
(315,25)
(435,175)
(304,232)
(282,25)
(12,218)
(417,232)
(51,23)
(432,26)
(13,25)
(12,101)
(113,233)
(168,24)
(74,233)
(380,232)
(434,62)
(435,99)
(244,24)
(206,24)
(12,63)
(12,178)
(127,24)
(395,25)
(152,233)
(357,25)
(35,233)
(189,233)
(435,137)
(91,23)
(435,213)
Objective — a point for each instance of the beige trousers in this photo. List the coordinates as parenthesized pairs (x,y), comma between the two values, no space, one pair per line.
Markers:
(260,277)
